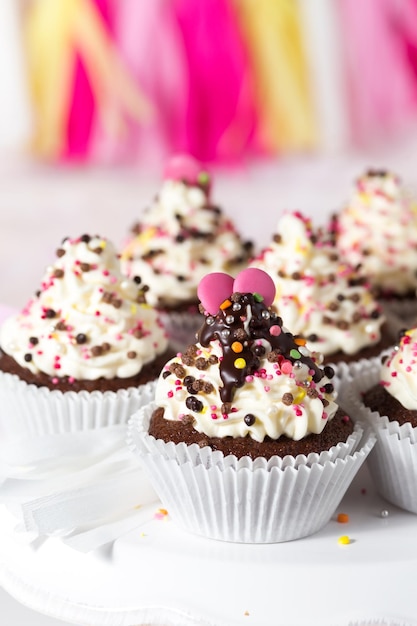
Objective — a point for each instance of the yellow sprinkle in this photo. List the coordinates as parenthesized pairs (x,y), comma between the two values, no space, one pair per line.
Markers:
(344,540)
(225,304)
(102,244)
(133,309)
(240,364)
(237,346)
(301,394)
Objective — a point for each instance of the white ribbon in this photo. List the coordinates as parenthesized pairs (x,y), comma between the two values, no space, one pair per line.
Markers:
(84,487)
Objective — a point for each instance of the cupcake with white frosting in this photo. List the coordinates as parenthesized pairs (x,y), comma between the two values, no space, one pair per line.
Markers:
(387,396)
(181,237)
(376,232)
(320,296)
(245,440)
(83,351)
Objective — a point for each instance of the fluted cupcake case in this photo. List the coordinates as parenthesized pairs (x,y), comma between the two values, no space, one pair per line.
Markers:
(247,501)
(393,461)
(29,411)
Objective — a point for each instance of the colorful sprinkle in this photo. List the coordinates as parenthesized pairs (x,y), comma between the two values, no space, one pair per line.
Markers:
(161,514)
(237,346)
(225,304)
(344,540)
(343,518)
(240,364)
(275,330)
(295,354)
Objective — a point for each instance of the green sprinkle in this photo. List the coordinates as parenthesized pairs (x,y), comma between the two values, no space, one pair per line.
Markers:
(203,178)
(258,297)
(295,354)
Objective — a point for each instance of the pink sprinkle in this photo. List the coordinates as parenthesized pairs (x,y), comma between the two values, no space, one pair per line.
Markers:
(106,272)
(57,366)
(324,416)
(267,388)
(249,379)
(234,410)
(275,330)
(213,416)
(55,380)
(408,368)
(346,419)
(213,407)
(170,394)
(178,383)
(286,367)
(269,377)
(394,374)
(71,379)
(97,313)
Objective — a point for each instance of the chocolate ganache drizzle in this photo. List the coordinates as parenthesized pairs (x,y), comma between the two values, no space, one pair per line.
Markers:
(247,329)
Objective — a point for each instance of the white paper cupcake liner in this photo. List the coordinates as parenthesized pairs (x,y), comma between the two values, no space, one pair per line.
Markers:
(240,500)
(181,327)
(393,461)
(30,411)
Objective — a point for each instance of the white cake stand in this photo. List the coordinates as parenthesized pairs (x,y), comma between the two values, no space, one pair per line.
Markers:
(160,575)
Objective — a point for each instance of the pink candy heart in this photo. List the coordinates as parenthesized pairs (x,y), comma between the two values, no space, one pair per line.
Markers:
(253,280)
(214,289)
(217,287)
(185,167)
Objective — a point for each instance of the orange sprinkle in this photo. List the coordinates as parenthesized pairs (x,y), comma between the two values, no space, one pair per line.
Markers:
(343,518)
(300,341)
(161,514)
(237,346)
(225,304)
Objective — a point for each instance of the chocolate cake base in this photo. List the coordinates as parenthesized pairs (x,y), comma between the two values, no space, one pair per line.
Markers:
(378,399)
(387,340)
(188,306)
(148,373)
(336,431)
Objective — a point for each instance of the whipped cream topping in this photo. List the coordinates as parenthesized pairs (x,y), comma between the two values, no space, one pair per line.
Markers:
(87,320)
(247,375)
(377,230)
(182,236)
(317,294)
(399,371)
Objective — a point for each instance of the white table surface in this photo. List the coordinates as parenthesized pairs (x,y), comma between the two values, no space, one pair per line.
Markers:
(39,205)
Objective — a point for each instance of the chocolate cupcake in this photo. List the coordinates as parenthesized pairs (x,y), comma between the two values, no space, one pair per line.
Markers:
(320,296)
(376,232)
(83,352)
(386,396)
(245,441)
(180,237)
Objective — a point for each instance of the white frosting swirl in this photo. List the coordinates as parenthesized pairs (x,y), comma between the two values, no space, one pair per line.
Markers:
(87,321)
(181,238)
(314,296)
(280,402)
(378,230)
(399,372)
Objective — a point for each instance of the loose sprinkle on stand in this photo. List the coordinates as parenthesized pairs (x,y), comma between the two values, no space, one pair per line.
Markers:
(343,518)
(344,540)
(161,514)
(384,513)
